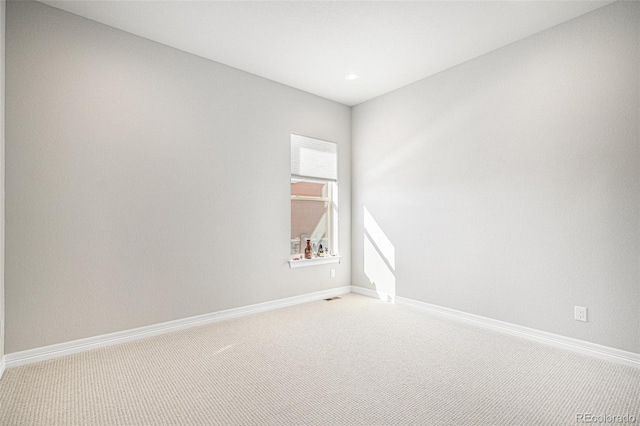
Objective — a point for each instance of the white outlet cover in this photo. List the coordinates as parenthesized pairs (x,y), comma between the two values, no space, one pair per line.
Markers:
(580,313)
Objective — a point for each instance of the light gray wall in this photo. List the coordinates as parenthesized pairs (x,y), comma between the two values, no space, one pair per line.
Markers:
(145,184)
(3,4)
(509,186)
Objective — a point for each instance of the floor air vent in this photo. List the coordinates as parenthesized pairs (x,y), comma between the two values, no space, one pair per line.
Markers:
(332,298)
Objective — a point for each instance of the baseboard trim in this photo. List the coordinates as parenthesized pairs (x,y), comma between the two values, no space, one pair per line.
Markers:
(16,359)
(618,356)
(76,346)
(2,366)
(386,297)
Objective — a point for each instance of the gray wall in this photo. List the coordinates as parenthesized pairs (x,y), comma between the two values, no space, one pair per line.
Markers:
(2,53)
(145,184)
(509,186)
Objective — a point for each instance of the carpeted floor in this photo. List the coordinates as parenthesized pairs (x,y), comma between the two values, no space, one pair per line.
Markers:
(351,361)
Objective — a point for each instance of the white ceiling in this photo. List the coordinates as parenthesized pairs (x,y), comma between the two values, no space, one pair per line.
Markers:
(312,45)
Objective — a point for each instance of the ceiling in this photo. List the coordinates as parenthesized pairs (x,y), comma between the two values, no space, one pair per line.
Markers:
(312,45)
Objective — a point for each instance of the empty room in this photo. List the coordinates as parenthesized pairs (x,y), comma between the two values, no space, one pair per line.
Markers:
(320,212)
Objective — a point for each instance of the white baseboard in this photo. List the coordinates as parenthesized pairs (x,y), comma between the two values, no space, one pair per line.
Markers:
(2,366)
(54,351)
(386,297)
(580,346)
(61,349)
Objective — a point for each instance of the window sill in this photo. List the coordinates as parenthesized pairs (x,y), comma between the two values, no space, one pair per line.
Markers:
(313,262)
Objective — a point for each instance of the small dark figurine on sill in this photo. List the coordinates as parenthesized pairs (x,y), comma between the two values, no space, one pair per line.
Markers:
(320,251)
(307,250)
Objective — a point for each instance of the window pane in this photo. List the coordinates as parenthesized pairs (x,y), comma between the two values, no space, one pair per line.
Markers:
(309,219)
(309,189)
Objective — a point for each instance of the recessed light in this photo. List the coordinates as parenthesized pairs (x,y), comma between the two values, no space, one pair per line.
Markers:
(351,77)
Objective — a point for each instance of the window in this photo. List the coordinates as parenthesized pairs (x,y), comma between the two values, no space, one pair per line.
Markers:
(314,209)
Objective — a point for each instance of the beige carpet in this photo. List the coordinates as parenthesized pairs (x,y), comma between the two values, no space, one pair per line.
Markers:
(352,361)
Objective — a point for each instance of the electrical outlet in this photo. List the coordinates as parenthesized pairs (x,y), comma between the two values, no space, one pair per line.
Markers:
(333,273)
(580,313)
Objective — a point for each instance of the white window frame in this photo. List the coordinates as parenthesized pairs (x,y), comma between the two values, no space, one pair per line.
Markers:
(332,255)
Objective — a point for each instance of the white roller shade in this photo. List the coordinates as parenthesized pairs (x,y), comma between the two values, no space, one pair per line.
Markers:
(313,158)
